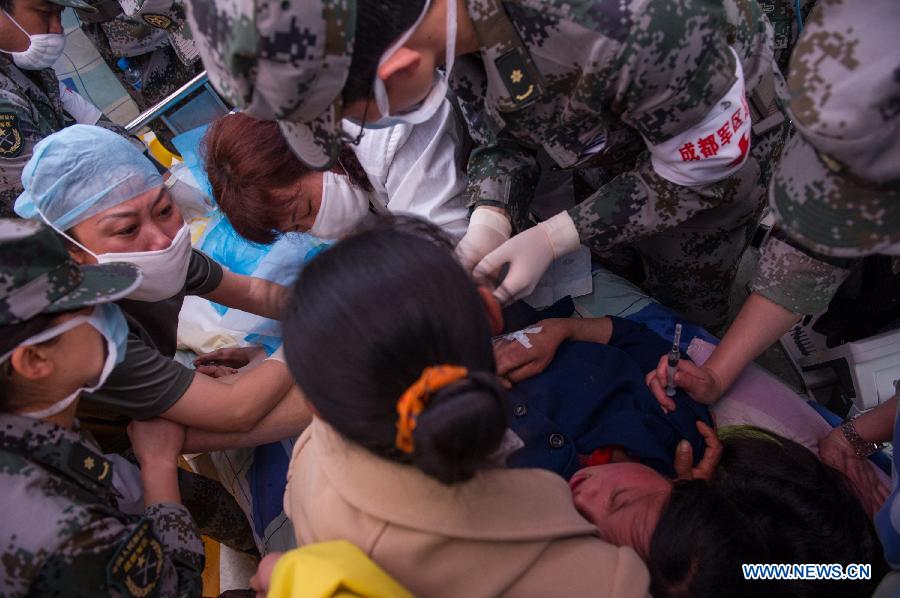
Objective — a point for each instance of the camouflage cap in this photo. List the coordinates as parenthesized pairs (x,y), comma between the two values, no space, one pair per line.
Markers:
(836,188)
(38,276)
(285,61)
(77,4)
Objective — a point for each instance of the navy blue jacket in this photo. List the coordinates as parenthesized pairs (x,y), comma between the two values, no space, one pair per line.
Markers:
(592,396)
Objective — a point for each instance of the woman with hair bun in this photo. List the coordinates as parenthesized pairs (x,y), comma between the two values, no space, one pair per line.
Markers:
(389,340)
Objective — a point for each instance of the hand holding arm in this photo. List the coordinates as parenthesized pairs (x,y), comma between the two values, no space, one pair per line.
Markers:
(157,444)
(232,357)
(216,406)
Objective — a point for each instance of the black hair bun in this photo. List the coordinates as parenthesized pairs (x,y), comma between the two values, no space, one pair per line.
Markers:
(461,426)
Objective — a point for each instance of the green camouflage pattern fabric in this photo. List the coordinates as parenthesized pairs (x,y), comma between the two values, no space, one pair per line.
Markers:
(79,4)
(154,36)
(782,14)
(38,276)
(836,192)
(62,533)
(797,279)
(284,61)
(215,511)
(135,27)
(30,109)
(634,72)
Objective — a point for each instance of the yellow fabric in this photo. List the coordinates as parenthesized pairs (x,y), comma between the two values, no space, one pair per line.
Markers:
(331,569)
(211,567)
(413,401)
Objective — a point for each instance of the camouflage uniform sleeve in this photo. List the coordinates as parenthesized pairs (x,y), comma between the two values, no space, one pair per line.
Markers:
(798,280)
(666,85)
(160,554)
(18,135)
(640,203)
(503,173)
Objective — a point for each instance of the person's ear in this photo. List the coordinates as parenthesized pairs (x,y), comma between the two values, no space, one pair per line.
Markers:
(402,62)
(79,255)
(494,311)
(32,362)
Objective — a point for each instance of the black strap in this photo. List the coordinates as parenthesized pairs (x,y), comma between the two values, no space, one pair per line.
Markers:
(763,102)
(521,77)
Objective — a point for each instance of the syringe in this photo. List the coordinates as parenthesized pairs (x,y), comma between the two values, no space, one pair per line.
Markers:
(674,356)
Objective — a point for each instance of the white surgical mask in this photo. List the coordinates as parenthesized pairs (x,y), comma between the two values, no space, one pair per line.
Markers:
(44,49)
(343,207)
(164,270)
(432,102)
(110,323)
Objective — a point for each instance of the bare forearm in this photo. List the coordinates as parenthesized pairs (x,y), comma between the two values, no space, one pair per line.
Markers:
(592,330)
(287,420)
(253,295)
(267,298)
(759,324)
(217,407)
(160,480)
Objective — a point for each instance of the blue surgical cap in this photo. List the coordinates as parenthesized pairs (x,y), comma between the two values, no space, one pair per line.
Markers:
(81,171)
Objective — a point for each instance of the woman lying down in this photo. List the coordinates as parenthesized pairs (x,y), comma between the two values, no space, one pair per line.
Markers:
(407,455)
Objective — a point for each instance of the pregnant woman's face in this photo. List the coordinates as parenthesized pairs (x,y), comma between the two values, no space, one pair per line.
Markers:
(623,500)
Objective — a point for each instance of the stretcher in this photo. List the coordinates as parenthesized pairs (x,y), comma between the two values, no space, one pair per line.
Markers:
(257,476)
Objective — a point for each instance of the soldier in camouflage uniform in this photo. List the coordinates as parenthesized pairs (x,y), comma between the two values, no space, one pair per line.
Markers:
(33,104)
(836,192)
(62,532)
(153,36)
(667,109)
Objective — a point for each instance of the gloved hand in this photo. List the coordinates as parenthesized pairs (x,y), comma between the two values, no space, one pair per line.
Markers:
(488,229)
(529,254)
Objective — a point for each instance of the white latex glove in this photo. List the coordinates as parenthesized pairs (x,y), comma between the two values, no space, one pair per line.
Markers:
(529,254)
(488,229)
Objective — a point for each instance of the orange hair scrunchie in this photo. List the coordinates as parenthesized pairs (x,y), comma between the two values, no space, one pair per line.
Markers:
(413,401)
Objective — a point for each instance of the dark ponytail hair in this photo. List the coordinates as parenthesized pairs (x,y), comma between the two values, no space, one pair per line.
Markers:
(367,317)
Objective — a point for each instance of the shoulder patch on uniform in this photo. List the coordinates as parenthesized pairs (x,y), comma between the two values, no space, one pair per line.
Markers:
(517,77)
(158,21)
(136,566)
(90,465)
(11,140)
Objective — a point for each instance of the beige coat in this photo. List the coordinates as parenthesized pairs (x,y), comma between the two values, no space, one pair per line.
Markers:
(506,532)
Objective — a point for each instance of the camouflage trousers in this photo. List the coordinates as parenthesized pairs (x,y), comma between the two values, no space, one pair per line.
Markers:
(215,511)
(691,267)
